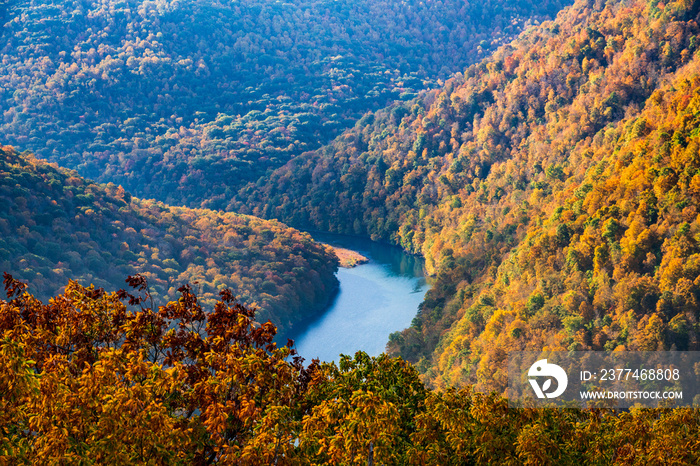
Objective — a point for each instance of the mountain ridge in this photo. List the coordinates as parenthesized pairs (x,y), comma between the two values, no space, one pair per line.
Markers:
(218,93)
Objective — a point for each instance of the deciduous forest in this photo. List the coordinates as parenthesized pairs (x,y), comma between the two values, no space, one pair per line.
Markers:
(56,226)
(542,157)
(91,376)
(550,189)
(162,96)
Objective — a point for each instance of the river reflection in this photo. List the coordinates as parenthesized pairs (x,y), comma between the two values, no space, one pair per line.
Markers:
(375,300)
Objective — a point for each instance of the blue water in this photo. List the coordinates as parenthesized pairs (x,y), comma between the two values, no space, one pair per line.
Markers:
(375,300)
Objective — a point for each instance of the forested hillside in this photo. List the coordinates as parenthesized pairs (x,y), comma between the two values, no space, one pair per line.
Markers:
(616,265)
(549,188)
(56,226)
(184,101)
(553,188)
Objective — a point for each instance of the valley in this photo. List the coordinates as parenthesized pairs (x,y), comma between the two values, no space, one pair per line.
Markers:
(538,162)
(375,299)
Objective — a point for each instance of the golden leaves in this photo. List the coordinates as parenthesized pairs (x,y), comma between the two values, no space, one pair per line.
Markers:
(238,400)
(82,377)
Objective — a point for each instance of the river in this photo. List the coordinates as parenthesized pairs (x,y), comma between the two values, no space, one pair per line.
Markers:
(375,299)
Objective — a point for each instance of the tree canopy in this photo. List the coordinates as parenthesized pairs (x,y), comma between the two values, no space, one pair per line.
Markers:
(107,378)
(56,226)
(185,101)
(549,187)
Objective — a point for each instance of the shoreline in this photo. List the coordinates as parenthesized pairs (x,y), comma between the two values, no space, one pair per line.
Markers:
(348,258)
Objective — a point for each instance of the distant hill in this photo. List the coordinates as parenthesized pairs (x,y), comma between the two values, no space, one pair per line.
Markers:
(186,101)
(56,226)
(551,189)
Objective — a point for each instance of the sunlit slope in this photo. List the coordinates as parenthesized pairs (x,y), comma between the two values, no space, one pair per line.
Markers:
(468,175)
(55,226)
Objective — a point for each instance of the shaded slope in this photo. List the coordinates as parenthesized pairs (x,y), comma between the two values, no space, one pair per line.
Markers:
(164,96)
(55,225)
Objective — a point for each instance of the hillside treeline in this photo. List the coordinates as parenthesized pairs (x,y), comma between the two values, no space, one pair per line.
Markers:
(56,226)
(107,378)
(550,187)
(161,97)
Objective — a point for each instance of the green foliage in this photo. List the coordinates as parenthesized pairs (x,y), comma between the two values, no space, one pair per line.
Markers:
(535,302)
(187,101)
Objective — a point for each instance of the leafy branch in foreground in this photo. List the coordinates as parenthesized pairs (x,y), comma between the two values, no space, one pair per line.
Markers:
(92,378)
(101,378)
